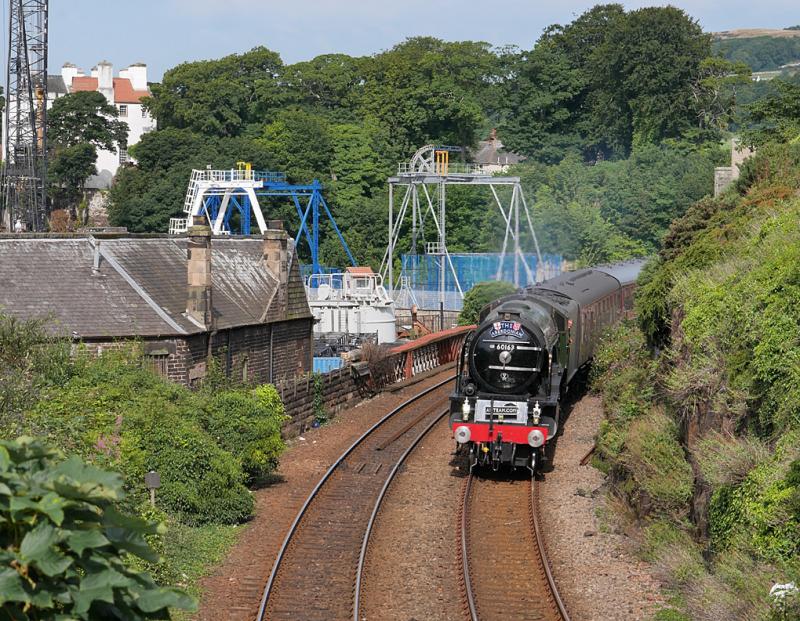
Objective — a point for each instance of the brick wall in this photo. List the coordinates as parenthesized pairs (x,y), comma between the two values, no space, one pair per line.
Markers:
(338,389)
(242,353)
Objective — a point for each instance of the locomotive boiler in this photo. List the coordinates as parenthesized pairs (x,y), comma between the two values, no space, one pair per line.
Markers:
(517,364)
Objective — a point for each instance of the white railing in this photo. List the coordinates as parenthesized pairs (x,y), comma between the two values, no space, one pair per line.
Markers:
(441,169)
(235,174)
(178,226)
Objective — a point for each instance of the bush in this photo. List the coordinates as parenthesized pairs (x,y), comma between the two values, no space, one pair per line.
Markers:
(248,425)
(117,412)
(31,360)
(479,296)
(63,543)
(657,463)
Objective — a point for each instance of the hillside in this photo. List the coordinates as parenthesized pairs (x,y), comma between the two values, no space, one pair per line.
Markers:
(702,438)
(760,48)
(749,33)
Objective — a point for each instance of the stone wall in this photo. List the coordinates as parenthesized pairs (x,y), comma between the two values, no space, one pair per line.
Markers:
(260,354)
(337,389)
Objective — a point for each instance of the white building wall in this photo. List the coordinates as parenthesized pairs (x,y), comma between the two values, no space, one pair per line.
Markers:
(108,162)
(139,122)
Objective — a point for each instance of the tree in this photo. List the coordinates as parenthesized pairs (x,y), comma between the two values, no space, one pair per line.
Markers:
(69,170)
(301,141)
(776,118)
(85,117)
(63,543)
(220,97)
(715,89)
(425,89)
(479,296)
(646,67)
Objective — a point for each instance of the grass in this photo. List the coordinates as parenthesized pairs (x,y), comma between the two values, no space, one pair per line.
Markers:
(192,552)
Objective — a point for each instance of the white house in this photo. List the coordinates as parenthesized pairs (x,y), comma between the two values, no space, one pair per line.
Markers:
(125,92)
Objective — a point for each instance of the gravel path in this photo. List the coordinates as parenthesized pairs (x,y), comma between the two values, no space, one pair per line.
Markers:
(411,569)
(597,573)
(233,592)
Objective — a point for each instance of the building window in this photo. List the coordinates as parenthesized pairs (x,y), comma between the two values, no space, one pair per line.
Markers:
(123,110)
(159,362)
(124,158)
(144,112)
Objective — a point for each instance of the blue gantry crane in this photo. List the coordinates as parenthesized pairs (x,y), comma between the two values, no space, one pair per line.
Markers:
(229,200)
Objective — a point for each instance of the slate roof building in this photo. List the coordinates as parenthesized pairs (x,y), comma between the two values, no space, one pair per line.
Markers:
(238,299)
(492,156)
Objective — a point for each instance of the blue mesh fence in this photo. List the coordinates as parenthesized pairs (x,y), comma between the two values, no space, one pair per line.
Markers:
(423,271)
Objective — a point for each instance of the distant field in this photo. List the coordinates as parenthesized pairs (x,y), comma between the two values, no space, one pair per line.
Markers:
(748,33)
(761,49)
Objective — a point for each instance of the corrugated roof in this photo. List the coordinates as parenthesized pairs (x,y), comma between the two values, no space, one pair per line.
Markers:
(140,287)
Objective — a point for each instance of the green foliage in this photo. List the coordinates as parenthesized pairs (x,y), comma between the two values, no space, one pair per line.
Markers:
(115,411)
(480,295)
(759,53)
(68,171)
(657,463)
(85,117)
(31,361)
(776,117)
(247,424)
(761,508)
(608,81)
(318,407)
(63,543)
(219,97)
(722,300)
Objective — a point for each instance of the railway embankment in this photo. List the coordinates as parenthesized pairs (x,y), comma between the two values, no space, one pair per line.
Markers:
(701,437)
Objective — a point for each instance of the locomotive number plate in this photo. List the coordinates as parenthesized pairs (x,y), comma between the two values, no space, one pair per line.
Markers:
(498,409)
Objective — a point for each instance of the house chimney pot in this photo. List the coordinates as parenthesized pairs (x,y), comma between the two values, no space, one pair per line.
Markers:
(105,79)
(198,267)
(276,259)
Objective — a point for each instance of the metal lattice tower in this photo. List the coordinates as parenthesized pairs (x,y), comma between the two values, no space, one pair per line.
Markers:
(23,181)
(423,182)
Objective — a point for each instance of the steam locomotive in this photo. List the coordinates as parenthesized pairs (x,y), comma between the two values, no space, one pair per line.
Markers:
(518,363)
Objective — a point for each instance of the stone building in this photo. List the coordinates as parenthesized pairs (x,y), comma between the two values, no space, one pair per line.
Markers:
(493,157)
(238,299)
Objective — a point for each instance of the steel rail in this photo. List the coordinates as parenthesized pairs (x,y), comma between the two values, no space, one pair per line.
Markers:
(473,610)
(365,541)
(562,609)
(540,544)
(293,528)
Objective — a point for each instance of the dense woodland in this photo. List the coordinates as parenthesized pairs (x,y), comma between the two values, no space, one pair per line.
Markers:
(619,114)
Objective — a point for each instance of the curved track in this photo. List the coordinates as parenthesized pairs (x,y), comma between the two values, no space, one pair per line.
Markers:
(506,572)
(315,574)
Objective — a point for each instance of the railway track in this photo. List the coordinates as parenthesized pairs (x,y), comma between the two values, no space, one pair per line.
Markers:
(317,572)
(504,561)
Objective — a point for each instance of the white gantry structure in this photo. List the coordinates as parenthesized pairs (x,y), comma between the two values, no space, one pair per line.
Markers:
(423,182)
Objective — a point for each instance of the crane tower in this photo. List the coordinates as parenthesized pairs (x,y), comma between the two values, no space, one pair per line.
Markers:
(25,171)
